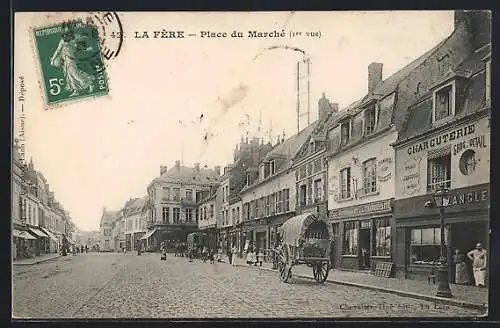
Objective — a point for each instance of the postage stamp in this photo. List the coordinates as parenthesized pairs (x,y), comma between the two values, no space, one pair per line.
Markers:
(70,60)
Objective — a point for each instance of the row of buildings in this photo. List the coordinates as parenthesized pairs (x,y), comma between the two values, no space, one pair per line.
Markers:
(40,225)
(369,168)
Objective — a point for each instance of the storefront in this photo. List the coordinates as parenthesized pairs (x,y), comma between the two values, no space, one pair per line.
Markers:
(22,244)
(363,235)
(417,248)
(255,234)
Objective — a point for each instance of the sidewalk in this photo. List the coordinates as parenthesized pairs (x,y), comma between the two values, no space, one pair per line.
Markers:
(464,296)
(37,259)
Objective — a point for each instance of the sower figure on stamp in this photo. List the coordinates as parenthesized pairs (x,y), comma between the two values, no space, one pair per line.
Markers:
(65,57)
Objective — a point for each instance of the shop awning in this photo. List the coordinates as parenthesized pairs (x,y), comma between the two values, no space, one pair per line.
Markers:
(149,234)
(38,232)
(51,236)
(17,233)
(24,235)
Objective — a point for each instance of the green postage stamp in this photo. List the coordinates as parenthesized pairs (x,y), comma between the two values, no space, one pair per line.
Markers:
(71,62)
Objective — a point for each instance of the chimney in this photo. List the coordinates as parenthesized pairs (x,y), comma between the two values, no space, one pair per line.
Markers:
(477,24)
(178,165)
(163,169)
(325,107)
(374,75)
(197,167)
(217,169)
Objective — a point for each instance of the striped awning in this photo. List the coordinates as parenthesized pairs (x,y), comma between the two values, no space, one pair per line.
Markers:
(149,234)
(22,234)
(38,232)
(51,236)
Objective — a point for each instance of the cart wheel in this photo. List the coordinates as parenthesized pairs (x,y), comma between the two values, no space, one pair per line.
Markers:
(284,271)
(320,272)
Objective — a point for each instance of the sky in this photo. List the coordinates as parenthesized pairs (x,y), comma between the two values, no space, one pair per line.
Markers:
(103,151)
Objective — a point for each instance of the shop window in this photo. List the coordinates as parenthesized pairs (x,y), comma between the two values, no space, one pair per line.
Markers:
(345,183)
(439,171)
(351,233)
(425,245)
(345,133)
(444,102)
(382,237)
(468,162)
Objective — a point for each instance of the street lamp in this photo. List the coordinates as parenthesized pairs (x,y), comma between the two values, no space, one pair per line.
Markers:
(442,199)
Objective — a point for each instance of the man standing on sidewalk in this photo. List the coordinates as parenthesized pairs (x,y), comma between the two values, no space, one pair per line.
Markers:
(478,258)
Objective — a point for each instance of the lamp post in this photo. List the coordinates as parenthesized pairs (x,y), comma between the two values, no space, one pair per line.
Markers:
(442,200)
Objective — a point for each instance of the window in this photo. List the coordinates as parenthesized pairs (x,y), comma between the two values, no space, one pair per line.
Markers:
(189,194)
(227,217)
(382,237)
(302,195)
(336,229)
(246,211)
(279,203)
(165,214)
(468,162)
(345,133)
(197,213)
(444,102)
(286,200)
(238,214)
(370,176)
(425,245)
(370,120)
(345,183)
(177,194)
(189,215)
(211,210)
(317,166)
(488,81)
(166,193)
(318,191)
(268,202)
(233,215)
(248,179)
(350,238)
(177,215)
(272,167)
(204,213)
(302,172)
(439,171)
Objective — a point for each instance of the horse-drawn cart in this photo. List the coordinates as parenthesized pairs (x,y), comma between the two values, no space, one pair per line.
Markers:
(305,239)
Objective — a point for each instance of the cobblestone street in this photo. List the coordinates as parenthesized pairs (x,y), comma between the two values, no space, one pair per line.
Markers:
(131,286)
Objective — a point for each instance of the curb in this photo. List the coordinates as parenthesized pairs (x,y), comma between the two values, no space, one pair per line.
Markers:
(436,299)
(36,262)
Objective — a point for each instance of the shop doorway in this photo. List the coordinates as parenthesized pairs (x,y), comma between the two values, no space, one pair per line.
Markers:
(364,248)
(261,240)
(464,237)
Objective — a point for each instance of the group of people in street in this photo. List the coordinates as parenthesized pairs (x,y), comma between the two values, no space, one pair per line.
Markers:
(255,256)
(478,258)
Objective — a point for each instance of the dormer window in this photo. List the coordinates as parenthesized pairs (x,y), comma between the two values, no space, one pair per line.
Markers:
(345,133)
(312,146)
(370,119)
(272,167)
(248,179)
(444,102)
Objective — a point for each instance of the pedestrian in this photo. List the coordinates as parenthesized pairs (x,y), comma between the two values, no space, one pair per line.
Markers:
(234,250)
(230,256)
(478,258)
(249,257)
(461,274)
(81,249)
(86,249)
(260,257)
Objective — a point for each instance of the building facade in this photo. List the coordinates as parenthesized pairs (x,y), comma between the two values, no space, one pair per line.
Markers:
(173,197)
(206,214)
(446,144)
(108,230)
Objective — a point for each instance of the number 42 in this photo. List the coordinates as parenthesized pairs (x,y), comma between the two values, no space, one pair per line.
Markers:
(55,86)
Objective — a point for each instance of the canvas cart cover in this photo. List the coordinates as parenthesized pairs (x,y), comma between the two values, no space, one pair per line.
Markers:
(294,229)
